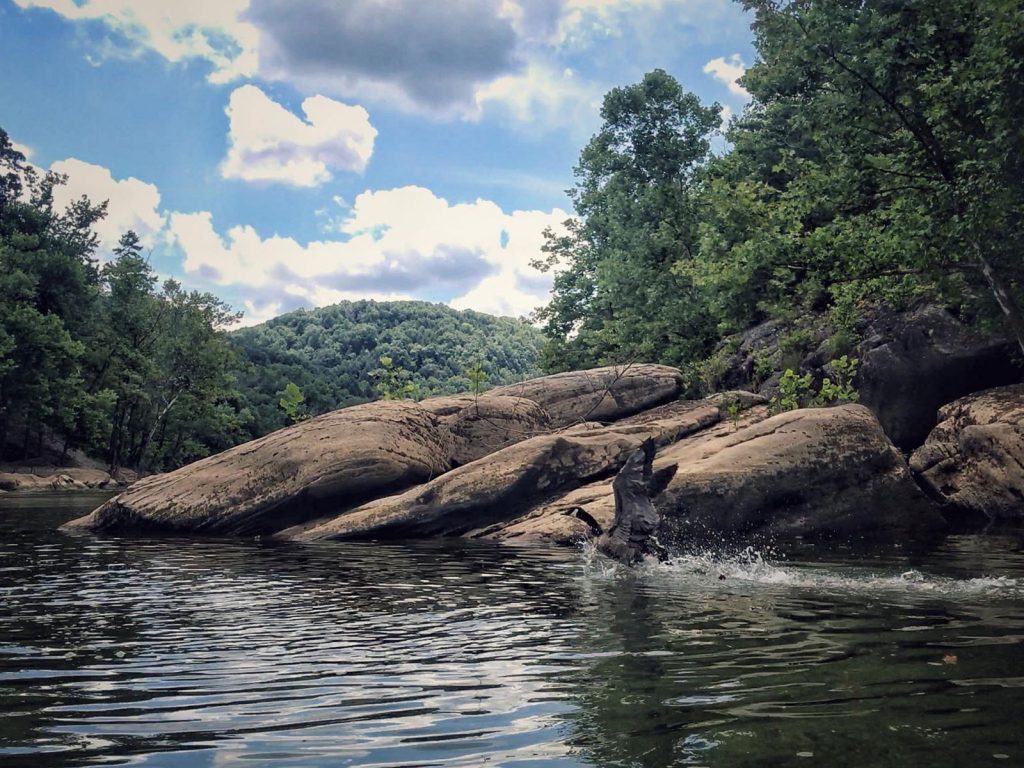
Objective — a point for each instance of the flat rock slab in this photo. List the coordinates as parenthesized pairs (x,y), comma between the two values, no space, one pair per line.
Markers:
(974,458)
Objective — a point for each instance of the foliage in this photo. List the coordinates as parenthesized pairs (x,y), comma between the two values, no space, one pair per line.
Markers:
(841,390)
(333,354)
(880,161)
(97,357)
(616,297)
(794,392)
(477,378)
(797,391)
(393,381)
(291,403)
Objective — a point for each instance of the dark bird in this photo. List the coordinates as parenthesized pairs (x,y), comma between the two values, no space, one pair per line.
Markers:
(633,534)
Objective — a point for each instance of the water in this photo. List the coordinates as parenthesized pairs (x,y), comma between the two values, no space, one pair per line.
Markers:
(219,653)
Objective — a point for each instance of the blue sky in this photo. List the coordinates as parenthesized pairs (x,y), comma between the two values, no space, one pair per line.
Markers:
(293,153)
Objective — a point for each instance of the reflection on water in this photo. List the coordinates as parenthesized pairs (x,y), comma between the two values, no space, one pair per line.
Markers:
(202,653)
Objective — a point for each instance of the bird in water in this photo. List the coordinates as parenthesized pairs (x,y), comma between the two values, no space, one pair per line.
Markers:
(633,533)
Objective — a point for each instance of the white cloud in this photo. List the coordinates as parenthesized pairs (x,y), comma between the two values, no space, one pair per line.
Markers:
(544,98)
(728,71)
(25,150)
(132,204)
(177,30)
(399,243)
(268,143)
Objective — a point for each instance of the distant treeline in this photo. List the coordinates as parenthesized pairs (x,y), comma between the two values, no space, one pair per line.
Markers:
(334,354)
(99,357)
(880,161)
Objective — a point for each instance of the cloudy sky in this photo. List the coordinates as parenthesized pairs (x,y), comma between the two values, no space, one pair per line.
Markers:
(293,153)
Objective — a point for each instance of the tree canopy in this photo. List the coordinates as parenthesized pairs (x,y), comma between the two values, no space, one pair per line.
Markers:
(879,161)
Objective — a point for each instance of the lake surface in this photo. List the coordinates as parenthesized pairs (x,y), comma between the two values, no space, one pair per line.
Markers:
(244,653)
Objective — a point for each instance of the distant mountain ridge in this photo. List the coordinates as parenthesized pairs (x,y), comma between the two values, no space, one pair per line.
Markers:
(331,353)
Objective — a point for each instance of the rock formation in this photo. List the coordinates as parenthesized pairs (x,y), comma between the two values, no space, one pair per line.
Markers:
(343,459)
(974,458)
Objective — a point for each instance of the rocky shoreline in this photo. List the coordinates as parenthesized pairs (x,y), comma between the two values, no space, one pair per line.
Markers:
(510,464)
(60,479)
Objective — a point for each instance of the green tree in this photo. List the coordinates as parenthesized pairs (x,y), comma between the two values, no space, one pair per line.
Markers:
(884,137)
(637,201)
(291,402)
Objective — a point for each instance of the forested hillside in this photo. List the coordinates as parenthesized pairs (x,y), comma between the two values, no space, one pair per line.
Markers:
(333,355)
(107,359)
(879,162)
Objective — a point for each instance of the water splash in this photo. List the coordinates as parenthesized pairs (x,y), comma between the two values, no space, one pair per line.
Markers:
(765,568)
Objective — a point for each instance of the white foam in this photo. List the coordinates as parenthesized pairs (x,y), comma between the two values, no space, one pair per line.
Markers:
(763,569)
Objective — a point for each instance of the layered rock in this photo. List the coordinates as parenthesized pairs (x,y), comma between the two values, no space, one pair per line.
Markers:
(480,425)
(342,459)
(812,474)
(336,460)
(974,458)
(499,487)
(600,394)
(69,479)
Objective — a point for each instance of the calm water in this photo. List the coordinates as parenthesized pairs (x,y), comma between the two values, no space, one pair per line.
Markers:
(211,653)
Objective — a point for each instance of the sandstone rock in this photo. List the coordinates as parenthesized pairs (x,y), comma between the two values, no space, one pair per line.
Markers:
(694,422)
(69,479)
(600,394)
(485,424)
(974,458)
(325,464)
(493,489)
(812,473)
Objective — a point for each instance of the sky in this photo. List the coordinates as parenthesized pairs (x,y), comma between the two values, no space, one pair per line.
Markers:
(295,153)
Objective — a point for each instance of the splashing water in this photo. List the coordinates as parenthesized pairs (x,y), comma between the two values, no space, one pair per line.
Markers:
(764,567)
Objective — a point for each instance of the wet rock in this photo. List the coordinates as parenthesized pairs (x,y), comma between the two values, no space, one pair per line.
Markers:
(493,489)
(974,458)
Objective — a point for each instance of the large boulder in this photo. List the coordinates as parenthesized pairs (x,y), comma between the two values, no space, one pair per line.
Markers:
(915,362)
(827,473)
(974,458)
(493,489)
(328,463)
(690,420)
(599,394)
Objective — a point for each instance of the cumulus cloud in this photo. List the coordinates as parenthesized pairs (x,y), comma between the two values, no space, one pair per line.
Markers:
(426,55)
(178,30)
(543,98)
(729,71)
(132,204)
(399,243)
(268,143)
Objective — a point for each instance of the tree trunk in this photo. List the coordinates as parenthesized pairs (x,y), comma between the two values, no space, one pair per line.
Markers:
(139,467)
(1011,310)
